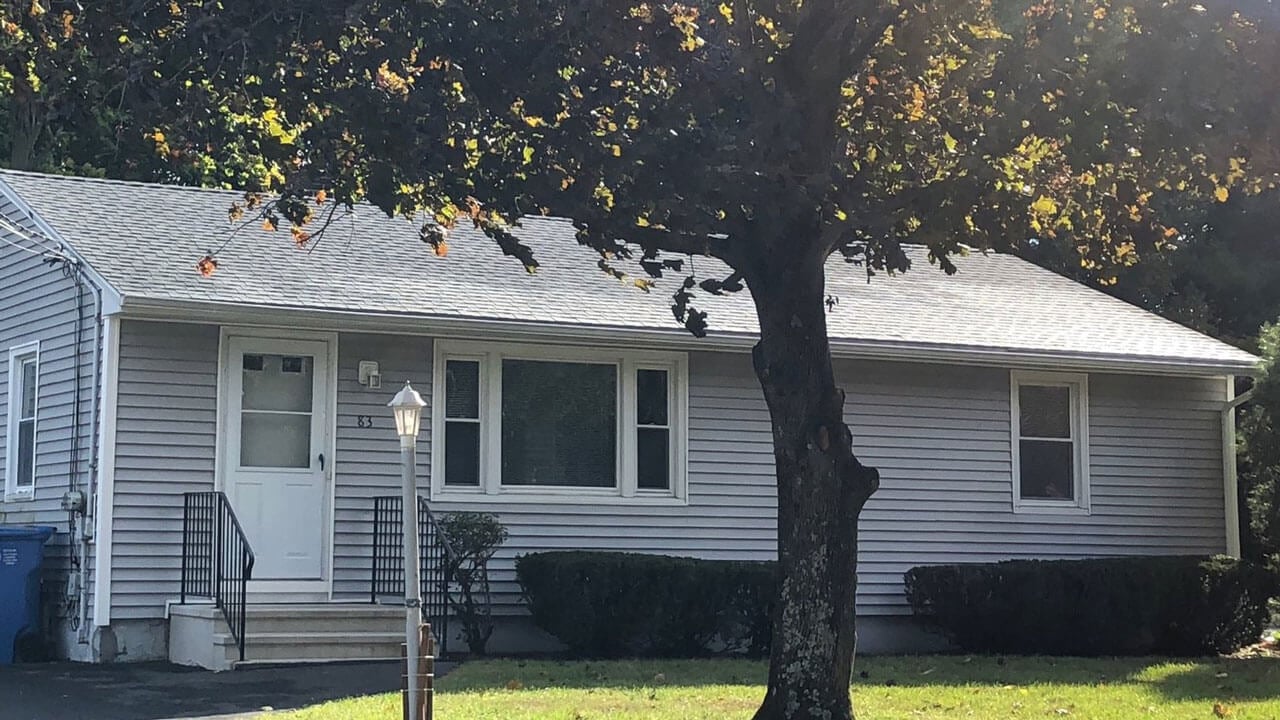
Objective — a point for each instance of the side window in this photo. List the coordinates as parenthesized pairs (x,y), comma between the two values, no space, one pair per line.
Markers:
(1050,447)
(24,381)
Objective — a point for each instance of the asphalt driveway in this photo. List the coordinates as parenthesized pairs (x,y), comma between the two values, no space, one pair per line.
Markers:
(160,691)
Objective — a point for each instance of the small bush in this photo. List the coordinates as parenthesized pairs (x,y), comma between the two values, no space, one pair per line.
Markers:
(1121,606)
(606,604)
(473,539)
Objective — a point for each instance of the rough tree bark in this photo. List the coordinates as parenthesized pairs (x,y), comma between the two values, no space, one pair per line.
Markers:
(821,490)
(24,130)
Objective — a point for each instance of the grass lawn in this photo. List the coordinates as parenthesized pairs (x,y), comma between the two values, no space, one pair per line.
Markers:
(887,687)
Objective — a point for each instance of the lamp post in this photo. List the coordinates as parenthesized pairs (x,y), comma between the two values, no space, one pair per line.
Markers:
(407,407)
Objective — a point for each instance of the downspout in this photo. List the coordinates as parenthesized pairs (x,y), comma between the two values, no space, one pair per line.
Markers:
(87,515)
(81,532)
(1230,470)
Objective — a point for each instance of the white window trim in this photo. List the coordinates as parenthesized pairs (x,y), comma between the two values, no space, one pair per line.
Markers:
(11,490)
(490,356)
(1078,384)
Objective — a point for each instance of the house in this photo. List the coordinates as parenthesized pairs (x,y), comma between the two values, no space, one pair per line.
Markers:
(1012,413)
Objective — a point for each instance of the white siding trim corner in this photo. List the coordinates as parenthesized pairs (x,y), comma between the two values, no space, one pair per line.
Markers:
(1230,473)
(105,509)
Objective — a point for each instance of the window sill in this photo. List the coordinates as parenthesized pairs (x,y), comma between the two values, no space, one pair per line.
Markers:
(1049,508)
(20,496)
(564,496)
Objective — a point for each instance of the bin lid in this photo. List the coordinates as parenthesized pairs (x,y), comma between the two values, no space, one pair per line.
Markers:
(26,532)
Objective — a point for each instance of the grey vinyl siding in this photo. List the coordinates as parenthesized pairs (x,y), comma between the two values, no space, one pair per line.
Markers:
(940,436)
(367,460)
(38,303)
(166,421)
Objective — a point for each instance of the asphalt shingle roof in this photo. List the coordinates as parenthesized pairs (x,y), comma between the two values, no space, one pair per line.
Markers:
(145,238)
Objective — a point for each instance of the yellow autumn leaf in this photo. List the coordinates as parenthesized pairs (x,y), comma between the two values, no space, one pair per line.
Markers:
(617,151)
(1044,205)
(950,142)
(1222,193)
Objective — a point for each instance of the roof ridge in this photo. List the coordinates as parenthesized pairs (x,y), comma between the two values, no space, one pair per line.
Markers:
(118,181)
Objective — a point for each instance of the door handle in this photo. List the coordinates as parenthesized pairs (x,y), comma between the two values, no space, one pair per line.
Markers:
(321,462)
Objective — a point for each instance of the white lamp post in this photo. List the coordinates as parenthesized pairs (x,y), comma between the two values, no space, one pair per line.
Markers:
(407,407)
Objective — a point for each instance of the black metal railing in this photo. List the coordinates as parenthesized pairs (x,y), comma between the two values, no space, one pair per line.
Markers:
(387,578)
(217,562)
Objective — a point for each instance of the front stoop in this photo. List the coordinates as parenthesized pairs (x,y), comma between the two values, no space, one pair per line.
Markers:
(286,634)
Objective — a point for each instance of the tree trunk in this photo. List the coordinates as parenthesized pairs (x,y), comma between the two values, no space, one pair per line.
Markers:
(24,130)
(821,490)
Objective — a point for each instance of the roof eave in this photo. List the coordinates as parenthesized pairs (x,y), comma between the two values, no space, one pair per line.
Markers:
(214,312)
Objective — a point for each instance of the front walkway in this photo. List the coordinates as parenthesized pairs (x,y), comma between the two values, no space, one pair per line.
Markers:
(159,691)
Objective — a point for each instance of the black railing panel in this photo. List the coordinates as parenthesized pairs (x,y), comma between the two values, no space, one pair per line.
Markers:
(387,577)
(217,562)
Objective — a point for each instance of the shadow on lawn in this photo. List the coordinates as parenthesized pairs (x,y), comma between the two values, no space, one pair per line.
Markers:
(1251,679)
(1195,679)
(1176,679)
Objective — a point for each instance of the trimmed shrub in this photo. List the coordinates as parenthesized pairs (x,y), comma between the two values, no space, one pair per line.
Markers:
(1170,605)
(473,539)
(610,604)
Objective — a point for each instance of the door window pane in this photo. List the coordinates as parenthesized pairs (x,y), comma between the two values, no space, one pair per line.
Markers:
(559,423)
(653,460)
(26,452)
(277,382)
(275,440)
(1048,469)
(462,453)
(1045,411)
(462,389)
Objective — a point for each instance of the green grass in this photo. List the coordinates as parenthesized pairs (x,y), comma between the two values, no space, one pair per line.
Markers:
(888,687)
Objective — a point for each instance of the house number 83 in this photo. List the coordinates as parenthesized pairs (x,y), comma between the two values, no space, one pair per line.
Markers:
(364,421)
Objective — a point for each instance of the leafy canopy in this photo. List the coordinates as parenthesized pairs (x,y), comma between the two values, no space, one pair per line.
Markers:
(765,133)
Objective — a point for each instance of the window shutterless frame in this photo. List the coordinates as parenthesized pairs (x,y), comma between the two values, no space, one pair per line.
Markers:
(490,357)
(1078,385)
(22,417)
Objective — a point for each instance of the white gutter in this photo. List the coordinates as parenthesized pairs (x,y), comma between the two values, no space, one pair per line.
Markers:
(1230,470)
(104,510)
(459,327)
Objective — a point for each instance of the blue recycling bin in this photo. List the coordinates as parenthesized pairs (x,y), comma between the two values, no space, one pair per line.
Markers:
(21,554)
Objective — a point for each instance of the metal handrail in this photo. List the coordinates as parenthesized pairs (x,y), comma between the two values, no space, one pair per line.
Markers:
(387,570)
(217,561)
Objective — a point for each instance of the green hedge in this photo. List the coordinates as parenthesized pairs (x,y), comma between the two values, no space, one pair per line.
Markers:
(1123,606)
(605,604)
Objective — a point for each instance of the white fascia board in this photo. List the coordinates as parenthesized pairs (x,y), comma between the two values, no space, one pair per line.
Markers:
(674,338)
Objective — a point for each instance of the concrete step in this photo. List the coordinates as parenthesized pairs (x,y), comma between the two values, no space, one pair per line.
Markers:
(316,646)
(323,618)
(287,633)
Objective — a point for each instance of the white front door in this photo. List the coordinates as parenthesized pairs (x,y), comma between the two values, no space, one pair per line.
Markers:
(277,452)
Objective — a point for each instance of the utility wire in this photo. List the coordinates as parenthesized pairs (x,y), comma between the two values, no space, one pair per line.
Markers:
(38,240)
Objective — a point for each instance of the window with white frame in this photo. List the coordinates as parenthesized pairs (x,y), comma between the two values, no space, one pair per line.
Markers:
(525,420)
(24,381)
(1050,441)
